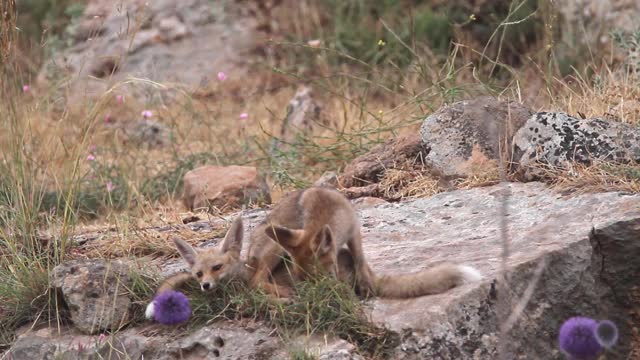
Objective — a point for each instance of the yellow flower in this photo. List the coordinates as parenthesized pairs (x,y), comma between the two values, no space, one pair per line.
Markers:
(472,17)
(381,42)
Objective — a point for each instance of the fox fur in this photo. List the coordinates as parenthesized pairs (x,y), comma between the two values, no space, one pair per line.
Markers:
(318,247)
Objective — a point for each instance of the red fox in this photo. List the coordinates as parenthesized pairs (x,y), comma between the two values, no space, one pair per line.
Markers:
(330,222)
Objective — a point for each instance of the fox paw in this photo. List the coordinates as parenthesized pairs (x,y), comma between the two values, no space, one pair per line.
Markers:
(150,311)
(364,285)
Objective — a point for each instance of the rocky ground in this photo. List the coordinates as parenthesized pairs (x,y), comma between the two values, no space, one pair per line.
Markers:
(486,181)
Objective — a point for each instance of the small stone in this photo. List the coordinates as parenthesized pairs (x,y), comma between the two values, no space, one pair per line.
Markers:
(328,179)
(224,187)
(95,292)
(149,133)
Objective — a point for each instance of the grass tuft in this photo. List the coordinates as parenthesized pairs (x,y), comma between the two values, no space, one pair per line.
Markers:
(322,305)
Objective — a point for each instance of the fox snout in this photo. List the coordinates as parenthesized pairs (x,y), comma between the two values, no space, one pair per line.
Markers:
(207,285)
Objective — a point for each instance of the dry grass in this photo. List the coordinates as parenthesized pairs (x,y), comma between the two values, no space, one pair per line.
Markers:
(598,177)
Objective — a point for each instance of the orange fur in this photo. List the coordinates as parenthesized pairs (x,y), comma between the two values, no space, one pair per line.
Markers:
(330,222)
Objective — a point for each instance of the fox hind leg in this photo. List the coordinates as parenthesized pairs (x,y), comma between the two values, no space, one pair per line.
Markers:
(363,273)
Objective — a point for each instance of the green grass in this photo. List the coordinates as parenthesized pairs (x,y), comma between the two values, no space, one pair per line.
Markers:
(321,306)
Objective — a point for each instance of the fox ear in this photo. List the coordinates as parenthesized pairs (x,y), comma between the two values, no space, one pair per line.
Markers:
(187,251)
(233,239)
(324,241)
(285,236)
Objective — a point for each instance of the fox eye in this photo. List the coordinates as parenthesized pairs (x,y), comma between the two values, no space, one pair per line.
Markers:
(199,274)
(216,267)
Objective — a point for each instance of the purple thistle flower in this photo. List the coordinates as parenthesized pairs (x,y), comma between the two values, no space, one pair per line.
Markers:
(244,116)
(26,88)
(147,114)
(171,307)
(110,186)
(606,333)
(91,157)
(222,76)
(578,340)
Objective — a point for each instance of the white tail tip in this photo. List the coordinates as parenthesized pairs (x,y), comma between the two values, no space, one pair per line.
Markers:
(150,311)
(470,274)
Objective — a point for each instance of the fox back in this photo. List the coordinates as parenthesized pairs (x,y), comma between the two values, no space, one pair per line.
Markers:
(312,225)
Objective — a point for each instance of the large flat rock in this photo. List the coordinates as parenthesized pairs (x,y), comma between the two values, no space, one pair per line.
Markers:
(464,226)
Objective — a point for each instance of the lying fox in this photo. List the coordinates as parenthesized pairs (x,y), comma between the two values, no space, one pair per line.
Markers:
(320,230)
(213,266)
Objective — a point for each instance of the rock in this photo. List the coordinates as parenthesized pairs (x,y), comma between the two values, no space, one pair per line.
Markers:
(370,167)
(224,187)
(559,140)
(303,112)
(155,40)
(559,232)
(329,179)
(451,133)
(148,133)
(208,342)
(172,28)
(225,342)
(367,201)
(589,22)
(95,293)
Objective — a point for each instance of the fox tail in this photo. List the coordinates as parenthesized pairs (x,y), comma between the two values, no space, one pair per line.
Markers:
(435,280)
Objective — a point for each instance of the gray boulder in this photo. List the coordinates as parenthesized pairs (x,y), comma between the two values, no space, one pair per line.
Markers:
(580,243)
(95,292)
(469,130)
(558,140)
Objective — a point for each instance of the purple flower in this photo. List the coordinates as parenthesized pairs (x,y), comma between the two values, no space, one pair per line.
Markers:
(222,76)
(26,88)
(110,186)
(120,99)
(147,114)
(606,333)
(578,340)
(91,157)
(171,307)
(244,116)
(108,119)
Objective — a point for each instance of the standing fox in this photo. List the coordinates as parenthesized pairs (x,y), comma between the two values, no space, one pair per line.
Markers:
(328,222)
(320,230)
